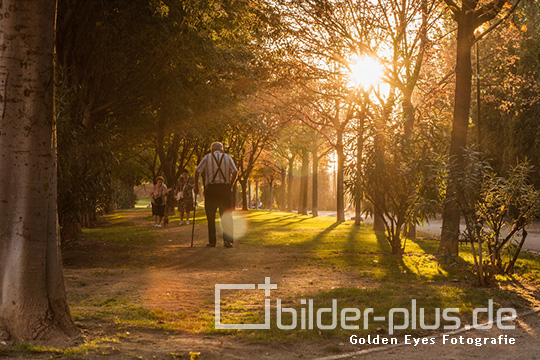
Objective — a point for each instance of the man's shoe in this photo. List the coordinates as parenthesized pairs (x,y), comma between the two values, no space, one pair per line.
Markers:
(210,245)
(228,244)
(187,222)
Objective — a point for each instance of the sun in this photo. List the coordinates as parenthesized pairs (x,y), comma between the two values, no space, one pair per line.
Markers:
(365,71)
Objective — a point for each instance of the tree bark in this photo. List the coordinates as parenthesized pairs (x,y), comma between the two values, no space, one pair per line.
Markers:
(303,204)
(340,179)
(379,194)
(290,178)
(244,185)
(359,151)
(283,203)
(408,115)
(32,296)
(471,15)
(257,194)
(270,194)
(250,195)
(378,221)
(451,212)
(315,187)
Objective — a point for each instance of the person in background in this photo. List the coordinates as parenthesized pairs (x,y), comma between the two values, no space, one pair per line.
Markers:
(184,195)
(219,173)
(158,198)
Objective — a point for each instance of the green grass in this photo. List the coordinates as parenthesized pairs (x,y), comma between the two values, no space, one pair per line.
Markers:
(71,352)
(348,247)
(375,277)
(122,234)
(142,203)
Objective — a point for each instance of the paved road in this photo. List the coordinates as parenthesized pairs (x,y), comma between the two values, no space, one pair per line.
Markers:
(532,243)
(434,226)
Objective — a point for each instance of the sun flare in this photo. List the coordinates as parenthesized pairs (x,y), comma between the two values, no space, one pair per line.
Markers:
(365,71)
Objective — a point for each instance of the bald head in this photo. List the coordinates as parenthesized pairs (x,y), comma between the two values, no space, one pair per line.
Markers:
(216,146)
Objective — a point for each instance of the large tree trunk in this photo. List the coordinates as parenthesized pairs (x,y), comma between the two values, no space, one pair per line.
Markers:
(303,203)
(257,194)
(283,203)
(359,150)
(379,144)
(451,213)
(471,15)
(245,204)
(270,194)
(315,187)
(290,178)
(408,115)
(340,190)
(379,195)
(32,296)
(378,221)
(250,195)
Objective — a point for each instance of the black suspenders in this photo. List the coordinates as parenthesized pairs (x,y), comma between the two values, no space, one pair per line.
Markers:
(218,171)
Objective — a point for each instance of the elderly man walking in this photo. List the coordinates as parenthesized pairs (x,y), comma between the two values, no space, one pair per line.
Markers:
(219,172)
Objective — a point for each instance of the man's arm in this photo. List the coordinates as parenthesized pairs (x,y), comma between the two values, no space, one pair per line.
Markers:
(233,176)
(234,169)
(201,168)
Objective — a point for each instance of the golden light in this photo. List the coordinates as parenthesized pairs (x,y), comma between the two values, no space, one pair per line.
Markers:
(365,71)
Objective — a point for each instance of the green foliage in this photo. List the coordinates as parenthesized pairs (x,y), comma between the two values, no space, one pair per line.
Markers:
(85,160)
(73,352)
(143,86)
(403,176)
(497,210)
(510,91)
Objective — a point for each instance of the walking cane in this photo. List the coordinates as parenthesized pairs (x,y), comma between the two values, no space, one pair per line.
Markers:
(193,225)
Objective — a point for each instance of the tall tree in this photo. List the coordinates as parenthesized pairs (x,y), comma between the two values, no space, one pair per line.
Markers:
(304,182)
(32,296)
(469,15)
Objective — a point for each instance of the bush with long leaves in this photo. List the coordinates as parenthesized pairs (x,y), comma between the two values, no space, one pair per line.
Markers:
(497,211)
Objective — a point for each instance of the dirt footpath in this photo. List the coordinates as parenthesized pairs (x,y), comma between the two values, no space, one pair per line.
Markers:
(172,276)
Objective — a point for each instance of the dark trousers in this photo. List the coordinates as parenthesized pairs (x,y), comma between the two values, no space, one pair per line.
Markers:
(219,196)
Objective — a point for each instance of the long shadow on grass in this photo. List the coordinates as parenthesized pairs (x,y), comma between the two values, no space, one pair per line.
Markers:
(294,219)
(360,250)
(358,256)
(278,216)
(394,266)
(429,246)
(252,214)
(284,221)
(352,243)
(456,269)
(320,236)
